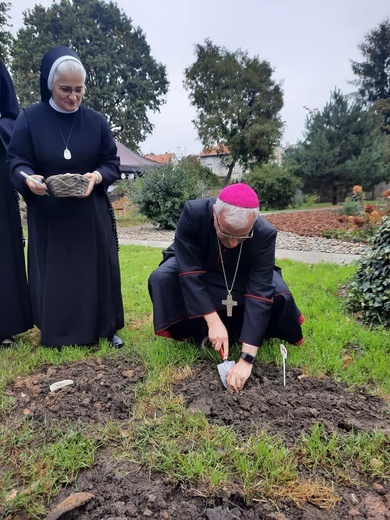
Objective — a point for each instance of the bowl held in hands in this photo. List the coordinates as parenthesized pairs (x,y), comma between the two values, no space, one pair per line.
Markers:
(68,185)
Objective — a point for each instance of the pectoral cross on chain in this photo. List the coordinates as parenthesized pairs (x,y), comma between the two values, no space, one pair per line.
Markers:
(230,303)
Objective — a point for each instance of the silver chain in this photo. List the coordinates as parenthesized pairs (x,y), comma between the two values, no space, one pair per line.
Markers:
(229,291)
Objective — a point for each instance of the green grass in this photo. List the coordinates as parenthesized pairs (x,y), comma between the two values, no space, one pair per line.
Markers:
(40,460)
(184,446)
(36,461)
(368,452)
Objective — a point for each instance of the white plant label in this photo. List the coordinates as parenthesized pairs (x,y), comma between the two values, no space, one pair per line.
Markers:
(283,351)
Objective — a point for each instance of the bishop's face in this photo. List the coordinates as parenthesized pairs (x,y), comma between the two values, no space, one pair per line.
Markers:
(68,91)
(232,236)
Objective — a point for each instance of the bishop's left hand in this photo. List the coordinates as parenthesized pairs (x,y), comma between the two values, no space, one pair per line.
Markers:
(238,376)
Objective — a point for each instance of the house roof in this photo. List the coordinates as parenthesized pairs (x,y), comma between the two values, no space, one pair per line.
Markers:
(219,150)
(164,158)
(132,162)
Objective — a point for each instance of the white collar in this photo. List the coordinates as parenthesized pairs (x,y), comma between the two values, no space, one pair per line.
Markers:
(56,107)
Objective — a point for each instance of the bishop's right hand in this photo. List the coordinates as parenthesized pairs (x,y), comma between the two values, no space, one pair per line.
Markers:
(218,334)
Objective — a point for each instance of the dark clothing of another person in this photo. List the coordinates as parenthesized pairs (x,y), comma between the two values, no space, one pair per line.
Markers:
(189,283)
(15,309)
(73,260)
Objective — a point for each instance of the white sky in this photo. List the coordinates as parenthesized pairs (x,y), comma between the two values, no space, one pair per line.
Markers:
(309,44)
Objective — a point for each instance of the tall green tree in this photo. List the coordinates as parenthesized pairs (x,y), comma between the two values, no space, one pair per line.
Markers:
(343,146)
(374,72)
(124,81)
(382,107)
(238,104)
(6,37)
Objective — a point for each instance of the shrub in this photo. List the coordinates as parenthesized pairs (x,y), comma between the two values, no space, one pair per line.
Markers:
(310,199)
(365,218)
(275,186)
(369,290)
(121,188)
(350,207)
(161,193)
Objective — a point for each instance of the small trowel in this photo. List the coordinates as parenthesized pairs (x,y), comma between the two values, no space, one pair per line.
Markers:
(224,367)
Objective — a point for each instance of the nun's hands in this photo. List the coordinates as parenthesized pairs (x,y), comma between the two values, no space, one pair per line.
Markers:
(36,188)
(94,178)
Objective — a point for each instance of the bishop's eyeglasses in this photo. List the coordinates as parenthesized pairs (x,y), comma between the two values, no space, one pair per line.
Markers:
(233,237)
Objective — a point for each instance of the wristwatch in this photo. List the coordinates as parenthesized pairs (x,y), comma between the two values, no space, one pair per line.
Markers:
(248,357)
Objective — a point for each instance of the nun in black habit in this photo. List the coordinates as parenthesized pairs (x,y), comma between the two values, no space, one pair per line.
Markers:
(15,309)
(218,280)
(73,263)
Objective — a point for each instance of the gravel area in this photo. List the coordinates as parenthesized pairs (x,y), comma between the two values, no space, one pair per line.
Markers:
(285,240)
(319,244)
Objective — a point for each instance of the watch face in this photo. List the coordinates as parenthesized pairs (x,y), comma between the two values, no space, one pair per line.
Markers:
(248,357)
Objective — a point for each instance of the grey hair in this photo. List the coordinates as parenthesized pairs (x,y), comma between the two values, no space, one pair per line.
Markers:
(70,66)
(234,215)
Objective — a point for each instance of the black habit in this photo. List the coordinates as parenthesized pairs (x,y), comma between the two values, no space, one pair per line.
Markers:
(189,283)
(15,309)
(73,263)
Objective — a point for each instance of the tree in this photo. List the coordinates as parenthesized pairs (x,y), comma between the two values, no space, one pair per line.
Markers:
(5,35)
(382,107)
(374,72)
(343,146)
(237,103)
(124,81)
(203,174)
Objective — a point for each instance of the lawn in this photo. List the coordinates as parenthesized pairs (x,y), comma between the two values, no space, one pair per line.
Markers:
(148,431)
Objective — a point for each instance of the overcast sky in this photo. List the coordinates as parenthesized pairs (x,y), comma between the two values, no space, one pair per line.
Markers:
(309,44)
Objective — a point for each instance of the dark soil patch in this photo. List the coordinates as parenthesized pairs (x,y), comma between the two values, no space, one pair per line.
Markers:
(125,490)
(286,411)
(105,389)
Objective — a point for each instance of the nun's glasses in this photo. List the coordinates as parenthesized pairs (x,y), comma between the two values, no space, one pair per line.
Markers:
(69,90)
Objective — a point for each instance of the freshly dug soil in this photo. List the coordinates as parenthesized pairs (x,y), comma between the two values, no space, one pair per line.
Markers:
(104,389)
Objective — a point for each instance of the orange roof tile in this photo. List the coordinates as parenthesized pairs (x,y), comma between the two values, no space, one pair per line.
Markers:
(219,150)
(164,158)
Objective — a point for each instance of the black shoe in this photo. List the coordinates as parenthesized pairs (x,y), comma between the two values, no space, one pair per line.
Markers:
(116,341)
(8,343)
(200,333)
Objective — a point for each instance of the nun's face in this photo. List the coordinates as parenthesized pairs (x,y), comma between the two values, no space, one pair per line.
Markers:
(68,91)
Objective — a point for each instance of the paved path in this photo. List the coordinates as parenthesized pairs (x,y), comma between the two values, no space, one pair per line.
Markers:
(309,257)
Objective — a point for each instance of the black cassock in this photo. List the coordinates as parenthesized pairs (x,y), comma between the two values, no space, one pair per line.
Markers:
(189,283)
(73,263)
(15,310)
